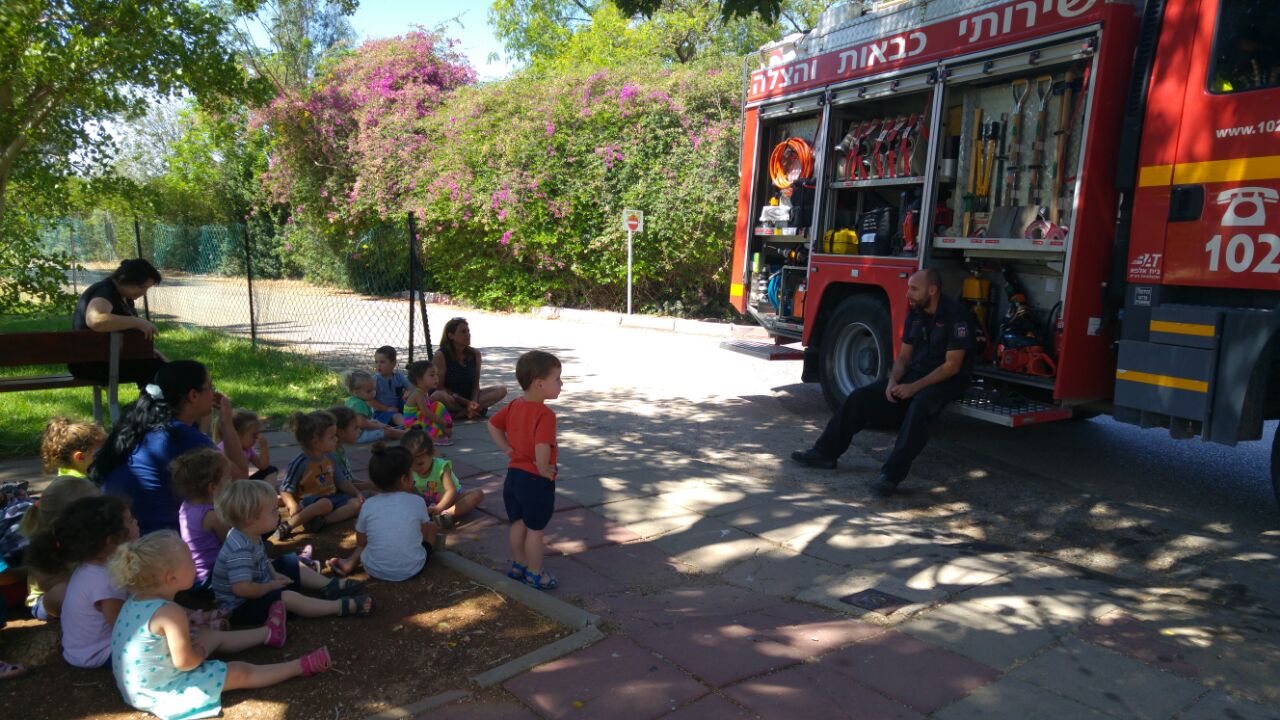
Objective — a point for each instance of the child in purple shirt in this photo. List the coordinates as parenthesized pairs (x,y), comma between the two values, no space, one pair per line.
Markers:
(199,475)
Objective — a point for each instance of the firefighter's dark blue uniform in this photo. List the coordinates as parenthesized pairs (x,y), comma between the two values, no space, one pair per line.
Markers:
(930,337)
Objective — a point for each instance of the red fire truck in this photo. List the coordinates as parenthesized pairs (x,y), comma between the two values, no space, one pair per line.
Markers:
(1100,179)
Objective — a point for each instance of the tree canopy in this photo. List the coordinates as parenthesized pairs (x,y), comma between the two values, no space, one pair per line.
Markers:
(767,10)
(68,65)
(559,35)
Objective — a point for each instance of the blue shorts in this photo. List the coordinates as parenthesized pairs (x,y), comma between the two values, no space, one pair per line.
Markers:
(384,416)
(529,498)
(368,436)
(338,500)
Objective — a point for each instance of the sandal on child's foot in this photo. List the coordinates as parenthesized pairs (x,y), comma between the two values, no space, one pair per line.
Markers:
(341,587)
(445,521)
(540,581)
(517,571)
(277,616)
(443,441)
(283,531)
(316,661)
(305,557)
(314,525)
(358,605)
(212,619)
(8,671)
(335,566)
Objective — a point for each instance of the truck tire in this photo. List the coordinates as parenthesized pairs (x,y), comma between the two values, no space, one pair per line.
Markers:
(856,348)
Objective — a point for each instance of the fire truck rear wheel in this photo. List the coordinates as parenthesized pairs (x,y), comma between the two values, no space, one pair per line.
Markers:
(855,347)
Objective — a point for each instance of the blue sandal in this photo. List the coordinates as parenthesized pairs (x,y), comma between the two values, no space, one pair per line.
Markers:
(540,581)
(517,571)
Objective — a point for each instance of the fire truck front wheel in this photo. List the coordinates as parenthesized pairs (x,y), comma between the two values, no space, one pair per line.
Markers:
(855,347)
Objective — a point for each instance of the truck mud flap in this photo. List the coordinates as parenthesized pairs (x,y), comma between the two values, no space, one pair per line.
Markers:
(1172,374)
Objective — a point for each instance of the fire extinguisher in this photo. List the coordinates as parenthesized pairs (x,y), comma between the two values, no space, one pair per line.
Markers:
(1059,327)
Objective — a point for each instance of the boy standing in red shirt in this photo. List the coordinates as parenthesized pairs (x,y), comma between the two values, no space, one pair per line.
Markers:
(526,431)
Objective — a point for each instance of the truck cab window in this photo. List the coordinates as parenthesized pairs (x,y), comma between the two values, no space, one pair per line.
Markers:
(1246,53)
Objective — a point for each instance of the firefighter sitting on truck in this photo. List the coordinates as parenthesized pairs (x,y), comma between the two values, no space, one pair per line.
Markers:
(932,369)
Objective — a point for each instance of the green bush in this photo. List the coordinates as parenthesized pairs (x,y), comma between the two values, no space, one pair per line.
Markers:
(522,189)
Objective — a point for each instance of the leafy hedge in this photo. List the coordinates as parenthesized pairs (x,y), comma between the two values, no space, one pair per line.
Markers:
(519,185)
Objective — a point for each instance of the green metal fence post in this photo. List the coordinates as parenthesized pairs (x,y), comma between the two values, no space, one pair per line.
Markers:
(137,239)
(248,271)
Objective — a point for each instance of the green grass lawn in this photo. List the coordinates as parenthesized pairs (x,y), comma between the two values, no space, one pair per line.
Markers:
(270,382)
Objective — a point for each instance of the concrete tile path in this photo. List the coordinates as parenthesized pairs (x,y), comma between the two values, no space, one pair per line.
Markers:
(725,600)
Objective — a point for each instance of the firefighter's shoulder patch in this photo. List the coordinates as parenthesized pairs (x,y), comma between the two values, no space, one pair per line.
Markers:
(960,330)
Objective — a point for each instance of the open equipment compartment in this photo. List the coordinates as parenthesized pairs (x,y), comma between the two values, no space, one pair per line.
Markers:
(783,213)
(1010,134)
(875,176)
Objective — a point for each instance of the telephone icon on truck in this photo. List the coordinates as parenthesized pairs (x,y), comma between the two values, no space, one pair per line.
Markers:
(1236,198)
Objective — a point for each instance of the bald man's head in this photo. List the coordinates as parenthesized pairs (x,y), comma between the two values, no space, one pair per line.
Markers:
(923,289)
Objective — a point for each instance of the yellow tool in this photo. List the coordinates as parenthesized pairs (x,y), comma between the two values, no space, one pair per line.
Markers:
(976,144)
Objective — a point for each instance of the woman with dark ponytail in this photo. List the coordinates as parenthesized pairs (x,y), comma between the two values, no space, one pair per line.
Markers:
(161,426)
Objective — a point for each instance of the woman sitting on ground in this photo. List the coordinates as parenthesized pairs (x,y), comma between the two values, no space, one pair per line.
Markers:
(161,426)
(458,365)
(108,306)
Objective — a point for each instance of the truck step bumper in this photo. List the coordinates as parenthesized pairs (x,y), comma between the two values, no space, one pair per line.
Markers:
(978,403)
(766,351)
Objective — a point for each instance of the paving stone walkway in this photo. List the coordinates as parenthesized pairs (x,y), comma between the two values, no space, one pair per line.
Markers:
(725,599)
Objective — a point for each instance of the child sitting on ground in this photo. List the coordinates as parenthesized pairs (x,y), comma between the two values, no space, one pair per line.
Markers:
(313,493)
(388,400)
(246,585)
(66,448)
(198,475)
(421,410)
(348,432)
(256,450)
(160,665)
(394,534)
(361,387)
(526,431)
(434,480)
(85,536)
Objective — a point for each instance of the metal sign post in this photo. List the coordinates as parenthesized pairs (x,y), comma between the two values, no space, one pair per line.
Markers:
(632,222)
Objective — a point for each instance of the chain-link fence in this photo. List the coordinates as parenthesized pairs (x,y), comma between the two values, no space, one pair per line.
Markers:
(235,280)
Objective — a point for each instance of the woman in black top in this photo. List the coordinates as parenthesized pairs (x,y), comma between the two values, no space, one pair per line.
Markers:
(458,366)
(107,306)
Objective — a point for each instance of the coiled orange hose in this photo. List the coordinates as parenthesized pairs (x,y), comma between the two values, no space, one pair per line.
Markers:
(791,160)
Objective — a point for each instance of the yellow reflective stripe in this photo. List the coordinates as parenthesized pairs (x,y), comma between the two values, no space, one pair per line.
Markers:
(1168,381)
(1153,175)
(735,290)
(1178,328)
(1238,170)
(1211,171)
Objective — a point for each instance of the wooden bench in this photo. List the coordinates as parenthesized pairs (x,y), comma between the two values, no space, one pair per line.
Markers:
(72,346)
